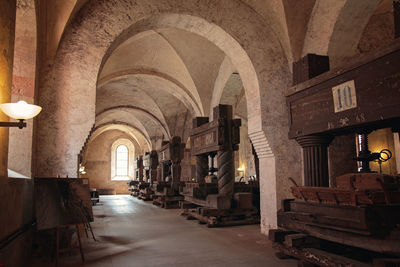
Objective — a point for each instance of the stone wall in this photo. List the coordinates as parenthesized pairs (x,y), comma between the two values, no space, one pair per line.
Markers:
(7,31)
(232,26)
(97,162)
(15,194)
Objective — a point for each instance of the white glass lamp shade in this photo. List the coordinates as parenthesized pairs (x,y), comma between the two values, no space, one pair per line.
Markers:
(20,110)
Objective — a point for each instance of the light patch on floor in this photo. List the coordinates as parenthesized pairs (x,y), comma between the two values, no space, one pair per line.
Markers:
(131,232)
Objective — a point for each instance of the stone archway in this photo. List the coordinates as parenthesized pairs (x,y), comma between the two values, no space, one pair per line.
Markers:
(67,91)
(338,26)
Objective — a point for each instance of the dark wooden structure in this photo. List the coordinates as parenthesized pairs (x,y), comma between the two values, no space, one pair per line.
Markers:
(309,67)
(188,165)
(134,184)
(357,222)
(166,187)
(150,160)
(61,203)
(223,202)
(396,12)
(362,97)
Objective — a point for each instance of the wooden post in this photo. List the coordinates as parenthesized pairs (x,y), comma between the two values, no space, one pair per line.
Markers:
(201,168)
(139,166)
(308,67)
(153,166)
(226,166)
(315,159)
(201,160)
(176,157)
(396,13)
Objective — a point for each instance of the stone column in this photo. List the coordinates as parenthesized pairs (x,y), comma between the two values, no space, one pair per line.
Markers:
(7,31)
(315,159)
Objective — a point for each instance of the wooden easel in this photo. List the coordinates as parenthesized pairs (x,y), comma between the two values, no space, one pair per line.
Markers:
(69,247)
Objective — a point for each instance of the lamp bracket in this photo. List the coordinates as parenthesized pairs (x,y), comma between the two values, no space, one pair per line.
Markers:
(20,124)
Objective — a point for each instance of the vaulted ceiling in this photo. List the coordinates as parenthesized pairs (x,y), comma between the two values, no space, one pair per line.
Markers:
(157,81)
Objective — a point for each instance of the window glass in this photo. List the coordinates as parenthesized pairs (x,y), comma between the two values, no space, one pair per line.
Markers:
(122,160)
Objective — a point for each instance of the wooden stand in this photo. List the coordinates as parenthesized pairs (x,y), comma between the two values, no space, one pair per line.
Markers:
(223,202)
(69,247)
(166,193)
(355,224)
(145,193)
(150,162)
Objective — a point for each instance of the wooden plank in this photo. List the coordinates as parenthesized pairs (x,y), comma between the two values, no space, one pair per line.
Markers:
(386,262)
(312,109)
(186,205)
(196,201)
(396,13)
(367,181)
(205,140)
(360,218)
(164,153)
(278,235)
(387,244)
(319,257)
(226,212)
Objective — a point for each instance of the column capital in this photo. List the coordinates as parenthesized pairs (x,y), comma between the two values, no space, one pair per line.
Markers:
(314,140)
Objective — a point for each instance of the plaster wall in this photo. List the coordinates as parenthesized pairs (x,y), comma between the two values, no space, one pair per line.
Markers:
(379,31)
(245,156)
(97,161)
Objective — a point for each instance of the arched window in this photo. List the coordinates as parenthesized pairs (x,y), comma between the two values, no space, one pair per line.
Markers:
(122,159)
(122,162)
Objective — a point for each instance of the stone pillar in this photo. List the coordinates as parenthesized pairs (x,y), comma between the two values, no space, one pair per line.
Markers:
(315,159)
(7,30)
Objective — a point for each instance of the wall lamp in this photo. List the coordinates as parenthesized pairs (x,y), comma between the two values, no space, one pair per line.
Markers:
(20,111)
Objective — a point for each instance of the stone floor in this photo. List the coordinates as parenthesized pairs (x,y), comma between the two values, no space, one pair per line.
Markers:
(131,232)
